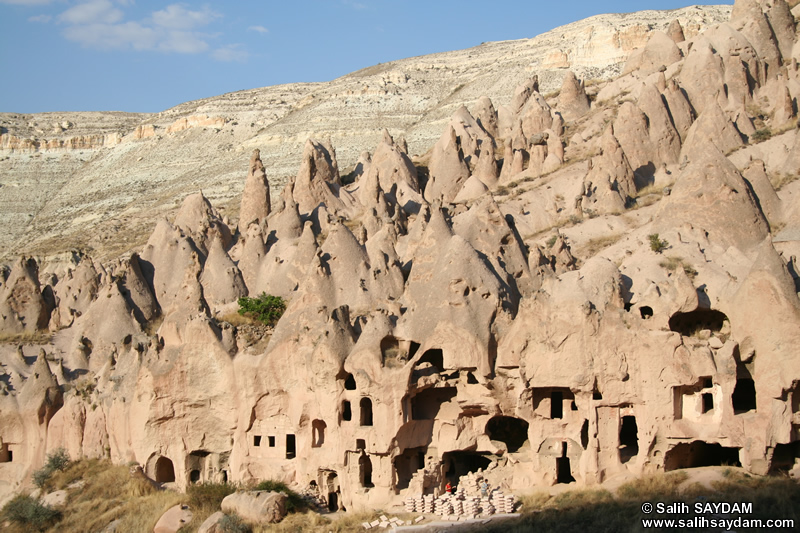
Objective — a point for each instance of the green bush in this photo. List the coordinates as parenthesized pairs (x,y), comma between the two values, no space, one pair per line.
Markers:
(761,135)
(29,513)
(295,501)
(57,460)
(266,308)
(656,244)
(208,495)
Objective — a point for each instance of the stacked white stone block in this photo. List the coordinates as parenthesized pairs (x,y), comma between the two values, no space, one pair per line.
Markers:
(460,504)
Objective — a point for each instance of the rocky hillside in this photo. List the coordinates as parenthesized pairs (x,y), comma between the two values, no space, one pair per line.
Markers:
(579,285)
(98,181)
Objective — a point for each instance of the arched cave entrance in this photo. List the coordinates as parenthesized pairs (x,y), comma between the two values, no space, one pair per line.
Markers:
(349,382)
(194,476)
(509,430)
(699,453)
(460,463)
(318,433)
(164,472)
(691,323)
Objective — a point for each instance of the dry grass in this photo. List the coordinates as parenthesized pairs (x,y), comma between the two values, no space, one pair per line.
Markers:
(599,510)
(674,262)
(110,493)
(653,486)
(599,243)
(152,326)
(237,320)
(782,179)
(37,337)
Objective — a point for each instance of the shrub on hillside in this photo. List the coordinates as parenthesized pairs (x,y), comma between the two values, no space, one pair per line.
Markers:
(295,501)
(58,460)
(657,244)
(266,308)
(232,523)
(28,513)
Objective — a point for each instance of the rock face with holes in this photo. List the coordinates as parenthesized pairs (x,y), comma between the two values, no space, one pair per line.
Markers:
(621,298)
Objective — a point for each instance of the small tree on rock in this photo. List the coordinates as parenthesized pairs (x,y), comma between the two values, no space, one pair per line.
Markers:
(266,308)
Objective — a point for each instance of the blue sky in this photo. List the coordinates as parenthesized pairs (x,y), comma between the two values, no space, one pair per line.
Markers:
(147,56)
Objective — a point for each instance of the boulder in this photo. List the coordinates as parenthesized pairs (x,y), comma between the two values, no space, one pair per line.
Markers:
(175,518)
(256,507)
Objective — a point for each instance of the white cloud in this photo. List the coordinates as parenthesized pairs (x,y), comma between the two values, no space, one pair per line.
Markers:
(183,42)
(40,18)
(259,29)
(92,12)
(230,53)
(114,36)
(98,24)
(177,17)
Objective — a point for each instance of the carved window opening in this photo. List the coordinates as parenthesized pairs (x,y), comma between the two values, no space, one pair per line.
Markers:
(366,412)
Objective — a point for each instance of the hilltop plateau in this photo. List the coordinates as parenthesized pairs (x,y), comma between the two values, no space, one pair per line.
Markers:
(98,181)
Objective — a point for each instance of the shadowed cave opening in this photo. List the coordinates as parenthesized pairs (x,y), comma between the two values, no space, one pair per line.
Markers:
(407,464)
(699,453)
(6,455)
(784,457)
(628,439)
(426,404)
(744,393)
(509,430)
(461,463)
(435,357)
(332,483)
(563,469)
(164,471)
(366,411)
(688,324)
(365,471)
(318,433)
(291,447)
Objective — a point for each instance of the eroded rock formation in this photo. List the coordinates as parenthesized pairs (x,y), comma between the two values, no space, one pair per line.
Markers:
(620,299)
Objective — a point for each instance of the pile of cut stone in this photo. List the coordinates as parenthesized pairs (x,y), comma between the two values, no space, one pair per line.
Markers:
(460,504)
(385,522)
